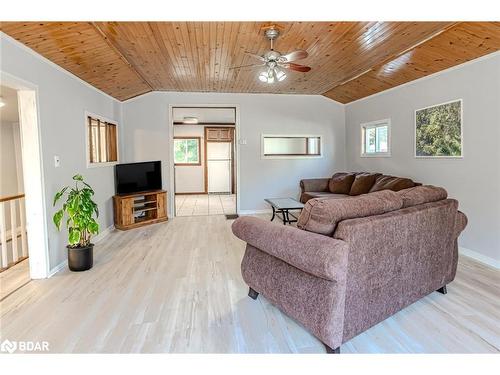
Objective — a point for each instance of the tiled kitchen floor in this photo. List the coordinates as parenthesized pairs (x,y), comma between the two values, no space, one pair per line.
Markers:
(205,204)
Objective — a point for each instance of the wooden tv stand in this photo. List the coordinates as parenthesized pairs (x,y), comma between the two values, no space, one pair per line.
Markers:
(139,209)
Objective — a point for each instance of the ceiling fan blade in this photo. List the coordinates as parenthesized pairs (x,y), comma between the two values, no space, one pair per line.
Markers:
(295,55)
(245,66)
(258,57)
(296,67)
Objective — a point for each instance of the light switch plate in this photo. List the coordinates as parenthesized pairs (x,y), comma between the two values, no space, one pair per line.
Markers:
(57,161)
(242,141)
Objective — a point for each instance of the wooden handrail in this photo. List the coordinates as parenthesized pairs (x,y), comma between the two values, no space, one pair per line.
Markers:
(11,197)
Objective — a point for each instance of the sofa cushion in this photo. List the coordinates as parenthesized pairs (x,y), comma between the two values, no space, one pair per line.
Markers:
(363,183)
(341,184)
(422,194)
(305,197)
(391,183)
(322,215)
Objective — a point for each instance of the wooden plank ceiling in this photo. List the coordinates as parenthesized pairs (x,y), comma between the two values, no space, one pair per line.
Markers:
(349,60)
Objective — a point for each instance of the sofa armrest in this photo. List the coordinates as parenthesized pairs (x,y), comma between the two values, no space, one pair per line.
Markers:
(314,184)
(313,253)
(460,223)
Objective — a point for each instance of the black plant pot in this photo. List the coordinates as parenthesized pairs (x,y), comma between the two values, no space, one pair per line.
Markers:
(80,258)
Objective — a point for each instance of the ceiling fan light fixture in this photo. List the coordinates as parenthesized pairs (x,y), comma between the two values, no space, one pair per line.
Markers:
(270,76)
(274,61)
(267,77)
(280,75)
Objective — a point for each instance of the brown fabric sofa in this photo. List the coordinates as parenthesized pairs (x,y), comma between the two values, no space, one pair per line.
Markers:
(377,254)
(322,187)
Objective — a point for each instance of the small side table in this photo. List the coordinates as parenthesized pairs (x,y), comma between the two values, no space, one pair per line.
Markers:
(283,206)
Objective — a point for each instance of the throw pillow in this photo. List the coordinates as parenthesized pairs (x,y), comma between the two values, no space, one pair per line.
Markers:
(341,184)
(391,183)
(363,183)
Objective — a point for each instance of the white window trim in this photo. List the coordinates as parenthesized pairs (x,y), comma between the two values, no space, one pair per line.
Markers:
(186,163)
(374,124)
(87,153)
(263,156)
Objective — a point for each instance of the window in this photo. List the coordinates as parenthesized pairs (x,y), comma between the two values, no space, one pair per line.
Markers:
(102,141)
(187,151)
(299,146)
(375,138)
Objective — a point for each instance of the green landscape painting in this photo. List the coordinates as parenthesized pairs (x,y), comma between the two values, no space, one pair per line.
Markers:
(438,130)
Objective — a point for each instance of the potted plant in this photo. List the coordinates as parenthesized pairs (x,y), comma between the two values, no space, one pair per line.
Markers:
(80,209)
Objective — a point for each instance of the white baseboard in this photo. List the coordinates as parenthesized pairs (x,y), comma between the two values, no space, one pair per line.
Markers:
(479,257)
(58,268)
(103,234)
(97,239)
(255,212)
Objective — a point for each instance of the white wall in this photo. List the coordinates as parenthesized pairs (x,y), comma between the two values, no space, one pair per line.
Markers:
(473,180)
(63,100)
(191,178)
(146,135)
(9,157)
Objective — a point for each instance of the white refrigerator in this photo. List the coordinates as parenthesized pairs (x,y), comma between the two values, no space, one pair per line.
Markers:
(219,167)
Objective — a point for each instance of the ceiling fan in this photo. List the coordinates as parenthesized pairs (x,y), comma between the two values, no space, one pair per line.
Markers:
(275,62)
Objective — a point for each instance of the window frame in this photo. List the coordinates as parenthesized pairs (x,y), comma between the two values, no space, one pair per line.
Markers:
(87,141)
(198,138)
(291,156)
(373,125)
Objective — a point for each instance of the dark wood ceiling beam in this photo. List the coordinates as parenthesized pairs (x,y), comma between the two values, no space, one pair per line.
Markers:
(122,56)
(394,56)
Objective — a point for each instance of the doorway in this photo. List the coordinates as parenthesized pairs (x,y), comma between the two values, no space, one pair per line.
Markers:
(14,263)
(23,229)
(205,162)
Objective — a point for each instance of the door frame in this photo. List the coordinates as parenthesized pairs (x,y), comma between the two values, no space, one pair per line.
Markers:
(236,135)
(34,186)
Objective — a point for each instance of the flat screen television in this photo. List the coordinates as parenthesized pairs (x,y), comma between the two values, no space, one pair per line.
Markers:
(137,177)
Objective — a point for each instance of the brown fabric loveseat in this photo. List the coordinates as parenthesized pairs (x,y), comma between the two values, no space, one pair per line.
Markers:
(353,262)
(351,184)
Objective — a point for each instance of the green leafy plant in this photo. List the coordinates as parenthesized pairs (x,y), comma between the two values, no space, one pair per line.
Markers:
(80,209)
(439,130)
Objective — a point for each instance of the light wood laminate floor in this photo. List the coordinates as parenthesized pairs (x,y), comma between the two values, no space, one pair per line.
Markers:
(13,278)
(177,287)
